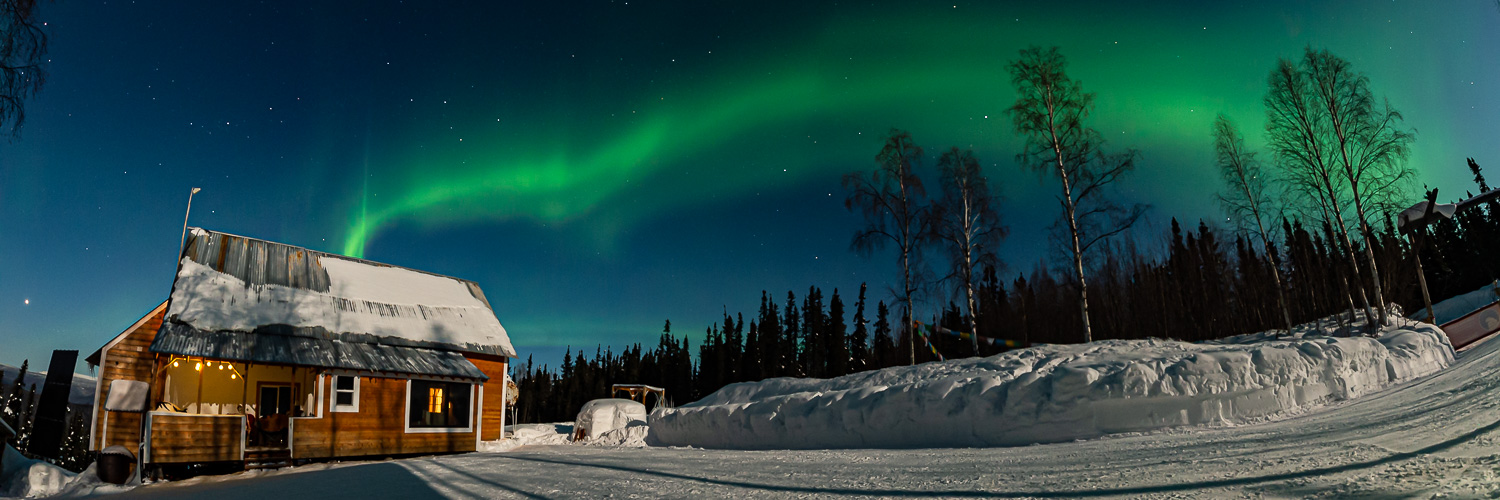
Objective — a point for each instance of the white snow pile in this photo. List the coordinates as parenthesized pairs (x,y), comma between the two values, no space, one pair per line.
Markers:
(632,435)
(1457,307)
(541,434)
(363,298)
(22,477)
(1056,393)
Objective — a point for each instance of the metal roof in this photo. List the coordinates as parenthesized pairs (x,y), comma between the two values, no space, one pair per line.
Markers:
(258,262)
(281,344)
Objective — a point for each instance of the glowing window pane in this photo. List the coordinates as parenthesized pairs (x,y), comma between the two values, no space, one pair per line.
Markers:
(435,400)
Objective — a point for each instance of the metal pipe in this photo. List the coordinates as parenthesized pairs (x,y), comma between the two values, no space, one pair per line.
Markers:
(183,241)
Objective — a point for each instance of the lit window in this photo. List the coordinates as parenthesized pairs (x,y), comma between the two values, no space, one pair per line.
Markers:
(439,406)
(435,400)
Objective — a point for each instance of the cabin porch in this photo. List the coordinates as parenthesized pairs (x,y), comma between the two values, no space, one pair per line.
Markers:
(215,410)
(221,410)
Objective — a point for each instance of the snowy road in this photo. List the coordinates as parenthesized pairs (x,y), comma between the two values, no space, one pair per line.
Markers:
(1435,436)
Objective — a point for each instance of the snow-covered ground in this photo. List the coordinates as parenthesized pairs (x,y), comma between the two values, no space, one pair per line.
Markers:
(1058,393)
(21,477)
(1456,307)
(1435,437)
(1303,416)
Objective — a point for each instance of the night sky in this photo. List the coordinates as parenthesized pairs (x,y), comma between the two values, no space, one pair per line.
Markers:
(600,167)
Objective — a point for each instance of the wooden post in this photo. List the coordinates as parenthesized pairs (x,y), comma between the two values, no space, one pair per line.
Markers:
(199,367)
(1416,253)
(244,387)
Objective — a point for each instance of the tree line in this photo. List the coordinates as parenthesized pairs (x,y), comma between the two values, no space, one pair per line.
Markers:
(1309,232)
(18,405)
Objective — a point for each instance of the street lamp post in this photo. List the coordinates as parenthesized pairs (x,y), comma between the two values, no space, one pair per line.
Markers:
(183,241)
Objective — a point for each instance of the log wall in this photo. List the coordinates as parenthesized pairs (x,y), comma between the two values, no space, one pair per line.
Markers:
(184,438)
(493,419)
(377,429)
(128,360)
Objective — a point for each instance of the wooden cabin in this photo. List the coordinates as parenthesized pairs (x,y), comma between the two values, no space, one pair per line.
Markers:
(268,353)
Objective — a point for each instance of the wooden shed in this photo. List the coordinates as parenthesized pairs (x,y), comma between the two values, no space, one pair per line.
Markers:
(267,353)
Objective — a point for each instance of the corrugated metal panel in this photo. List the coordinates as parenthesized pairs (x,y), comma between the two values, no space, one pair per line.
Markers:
(281,345)
(258,262)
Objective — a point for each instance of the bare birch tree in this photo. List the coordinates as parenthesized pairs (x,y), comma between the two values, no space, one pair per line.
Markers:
(1334,143)
(1370,148)
(966,222)
(1296,134)
(893,201)
(23,46)
(1049,112)
(1245,197)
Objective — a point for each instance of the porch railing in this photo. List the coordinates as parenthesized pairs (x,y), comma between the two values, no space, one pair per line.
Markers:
(192,438)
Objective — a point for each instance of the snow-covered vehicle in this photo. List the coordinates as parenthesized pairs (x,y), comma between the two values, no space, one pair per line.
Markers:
(603,415)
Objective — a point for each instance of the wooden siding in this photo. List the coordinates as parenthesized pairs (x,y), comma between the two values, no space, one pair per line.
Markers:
(493,419)
(377,429)
(130,359)
(181,438)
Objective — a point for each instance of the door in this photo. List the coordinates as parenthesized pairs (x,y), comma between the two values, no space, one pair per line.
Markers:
(274,400)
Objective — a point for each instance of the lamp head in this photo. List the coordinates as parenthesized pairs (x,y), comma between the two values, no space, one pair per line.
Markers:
(196,190)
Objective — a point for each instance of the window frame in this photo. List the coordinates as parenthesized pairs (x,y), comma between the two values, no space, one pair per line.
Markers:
(333,401)
(472,417)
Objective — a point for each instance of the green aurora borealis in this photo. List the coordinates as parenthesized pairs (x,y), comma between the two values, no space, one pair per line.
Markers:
(814,103)
(601,166)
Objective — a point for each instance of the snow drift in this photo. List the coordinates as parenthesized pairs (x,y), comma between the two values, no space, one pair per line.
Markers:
(1458,306)
(631,435)
(1056,392)
(22,477)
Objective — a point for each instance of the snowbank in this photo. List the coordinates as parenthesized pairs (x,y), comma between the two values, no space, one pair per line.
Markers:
(22,477)
(1055,393)
(1457,307)
(541,434)
(633,434)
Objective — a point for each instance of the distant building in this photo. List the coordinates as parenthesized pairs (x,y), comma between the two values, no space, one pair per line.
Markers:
(267,353)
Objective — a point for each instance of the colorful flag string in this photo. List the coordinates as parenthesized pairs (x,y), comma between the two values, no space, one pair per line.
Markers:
(927,341)
(967,336)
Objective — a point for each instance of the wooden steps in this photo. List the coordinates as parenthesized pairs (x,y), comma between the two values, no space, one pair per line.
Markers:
(265,457)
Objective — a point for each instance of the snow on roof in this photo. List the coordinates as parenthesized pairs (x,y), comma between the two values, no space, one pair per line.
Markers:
(233,283)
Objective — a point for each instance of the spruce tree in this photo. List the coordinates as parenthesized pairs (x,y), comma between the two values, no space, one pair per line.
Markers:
(791,325)
(834,337)
(859,341)
(884,354)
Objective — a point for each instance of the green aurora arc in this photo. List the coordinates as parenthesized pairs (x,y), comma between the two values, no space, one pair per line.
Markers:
(730,128)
